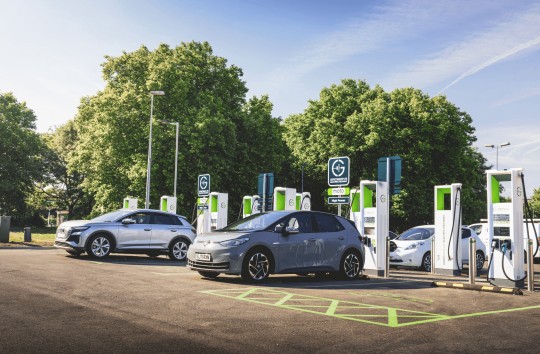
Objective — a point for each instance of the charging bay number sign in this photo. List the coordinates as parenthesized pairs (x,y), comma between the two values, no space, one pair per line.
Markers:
(339,172)
(203,185)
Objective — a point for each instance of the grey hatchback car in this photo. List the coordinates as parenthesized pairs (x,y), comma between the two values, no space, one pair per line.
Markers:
(280,242)
(131,231)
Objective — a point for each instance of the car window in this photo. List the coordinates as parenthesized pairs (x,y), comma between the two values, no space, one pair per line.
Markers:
(417,233)
(327,223)
(465,233)
(163,219)
(141,218)
(302,221)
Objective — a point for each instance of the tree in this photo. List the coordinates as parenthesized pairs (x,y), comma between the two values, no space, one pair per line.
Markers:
(21,160)
(432,136)
(219,130)
(61,187)
(534,203)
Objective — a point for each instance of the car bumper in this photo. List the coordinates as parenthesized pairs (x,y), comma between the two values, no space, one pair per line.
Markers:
(406,258)
(222,260)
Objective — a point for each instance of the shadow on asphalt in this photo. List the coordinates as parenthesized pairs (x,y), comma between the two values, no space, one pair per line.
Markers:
(132,259)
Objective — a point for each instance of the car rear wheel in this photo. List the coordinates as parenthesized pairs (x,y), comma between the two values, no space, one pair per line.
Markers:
(210,275)
(256,267)
(178,250)
(100,246)
(426,262)
(480,259)
(350,265)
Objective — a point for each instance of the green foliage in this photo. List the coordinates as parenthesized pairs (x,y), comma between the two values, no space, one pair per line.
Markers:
(61,187)
(21,158)
(534,203)
(432,136)
(220,133)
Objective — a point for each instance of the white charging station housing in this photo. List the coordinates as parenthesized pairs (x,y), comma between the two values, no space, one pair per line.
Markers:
(447,258)
(505,227)
(130,203)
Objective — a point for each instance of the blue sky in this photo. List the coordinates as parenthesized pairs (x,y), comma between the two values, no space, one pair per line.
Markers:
(483,55)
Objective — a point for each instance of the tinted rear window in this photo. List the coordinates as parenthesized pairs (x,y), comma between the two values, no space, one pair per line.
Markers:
(327,223)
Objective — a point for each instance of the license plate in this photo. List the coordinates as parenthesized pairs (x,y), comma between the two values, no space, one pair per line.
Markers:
(202,256)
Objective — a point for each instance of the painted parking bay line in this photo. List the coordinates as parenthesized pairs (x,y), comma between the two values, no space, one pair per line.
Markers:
(346,310)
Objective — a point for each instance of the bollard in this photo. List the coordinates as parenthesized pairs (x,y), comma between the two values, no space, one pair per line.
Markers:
(387,259)
(472,261)
(530,266)
(27,234)
(433,254)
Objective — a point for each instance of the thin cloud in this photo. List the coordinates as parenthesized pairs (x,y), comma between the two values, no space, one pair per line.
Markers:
(381,27)
(476,53)
(519,97)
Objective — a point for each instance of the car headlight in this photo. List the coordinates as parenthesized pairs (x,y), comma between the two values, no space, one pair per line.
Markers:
(77,230)
(414,245)
(235,242)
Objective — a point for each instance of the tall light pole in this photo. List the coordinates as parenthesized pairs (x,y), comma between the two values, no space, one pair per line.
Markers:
(149,165)
(497,151)
(176,154)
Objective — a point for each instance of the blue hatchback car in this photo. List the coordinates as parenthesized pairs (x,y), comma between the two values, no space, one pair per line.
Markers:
(280,242)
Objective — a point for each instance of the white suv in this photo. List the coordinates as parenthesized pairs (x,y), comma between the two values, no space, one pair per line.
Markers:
(130,231)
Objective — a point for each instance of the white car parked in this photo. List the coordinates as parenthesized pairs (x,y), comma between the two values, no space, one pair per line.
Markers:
(413,248)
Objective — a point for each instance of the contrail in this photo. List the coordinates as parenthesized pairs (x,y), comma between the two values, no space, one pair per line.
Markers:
(493,60)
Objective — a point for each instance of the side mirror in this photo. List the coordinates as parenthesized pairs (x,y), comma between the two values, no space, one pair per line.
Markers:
(128,221)
(279,228)
(291,230)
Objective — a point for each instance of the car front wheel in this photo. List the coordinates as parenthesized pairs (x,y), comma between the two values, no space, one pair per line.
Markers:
(480,259)
(350,265)
(256,267)
(178,250)
(100,246)
(426,262)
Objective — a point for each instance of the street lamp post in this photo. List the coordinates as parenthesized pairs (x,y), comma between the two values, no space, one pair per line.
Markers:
(149,164)
(176,154)
(497,151)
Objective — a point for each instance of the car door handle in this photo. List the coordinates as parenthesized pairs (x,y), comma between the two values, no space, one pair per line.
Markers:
(147,229)
(174,230)
(312,239)
(341,238)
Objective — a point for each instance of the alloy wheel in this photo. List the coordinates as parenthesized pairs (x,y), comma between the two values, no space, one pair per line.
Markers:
(179,250)
(351,266)
(258,266)
(426,263)
(100,246)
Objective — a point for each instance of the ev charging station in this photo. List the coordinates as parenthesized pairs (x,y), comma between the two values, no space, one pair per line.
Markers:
(354,209)
(372,220)
(303,201)
(213,211)
(506,261)
(284,198)
(447,258)
(168,204)
(130,203)
(250,205)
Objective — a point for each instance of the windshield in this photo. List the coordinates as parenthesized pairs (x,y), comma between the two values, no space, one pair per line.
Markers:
(254,222)
(112,216)
(417,233)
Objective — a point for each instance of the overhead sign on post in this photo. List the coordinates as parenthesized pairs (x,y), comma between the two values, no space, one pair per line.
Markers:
(394,169)
(203,185)
(338,171)
(338,200)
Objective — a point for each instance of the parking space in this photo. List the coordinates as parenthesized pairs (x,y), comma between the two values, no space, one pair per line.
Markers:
(136,303)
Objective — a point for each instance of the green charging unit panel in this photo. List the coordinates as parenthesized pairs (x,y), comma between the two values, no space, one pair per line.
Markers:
(368,197)
(280,200)
(298,201)
(163,204)
(441,192)
(247,205)
(355,201)
(214,203)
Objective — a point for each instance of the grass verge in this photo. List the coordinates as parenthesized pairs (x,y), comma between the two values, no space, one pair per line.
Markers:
(41,237)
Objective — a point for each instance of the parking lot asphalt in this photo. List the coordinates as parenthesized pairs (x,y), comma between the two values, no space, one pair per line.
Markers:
(52,302)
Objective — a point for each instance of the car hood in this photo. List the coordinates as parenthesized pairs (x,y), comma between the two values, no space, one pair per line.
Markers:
(73,223)
(405,243)
(215,237)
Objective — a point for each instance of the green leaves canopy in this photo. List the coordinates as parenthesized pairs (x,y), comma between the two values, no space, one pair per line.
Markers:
(432,136)
(20,154)
(220,133)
